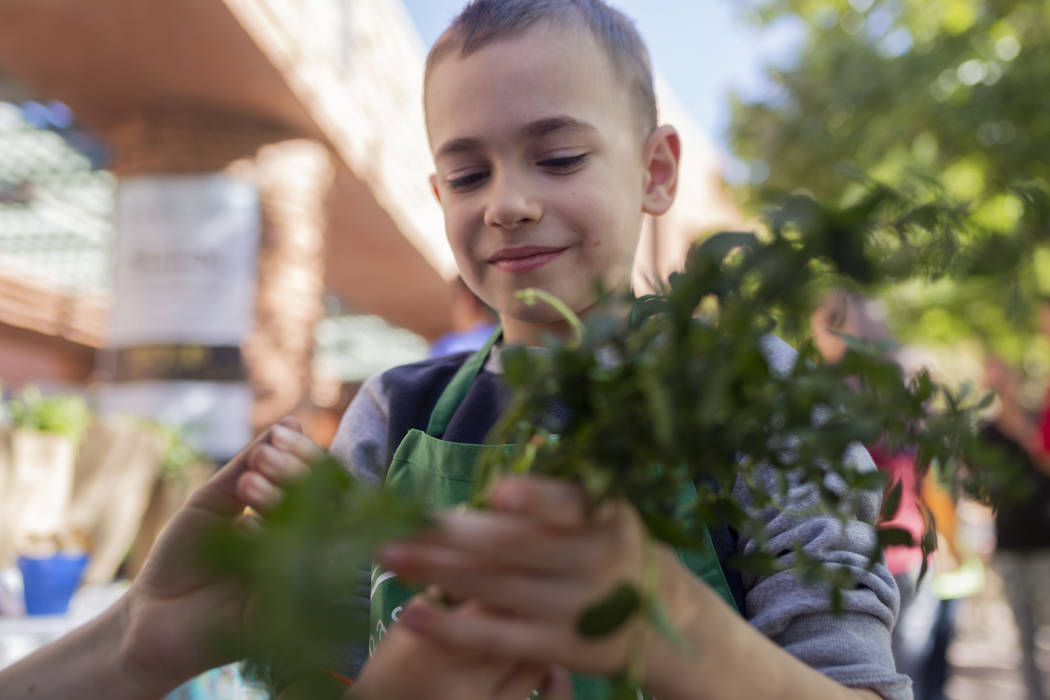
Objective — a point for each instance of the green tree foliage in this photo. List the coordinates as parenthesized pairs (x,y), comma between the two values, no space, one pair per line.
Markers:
(949,92)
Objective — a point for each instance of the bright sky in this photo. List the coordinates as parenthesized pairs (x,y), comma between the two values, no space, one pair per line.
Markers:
(704,48)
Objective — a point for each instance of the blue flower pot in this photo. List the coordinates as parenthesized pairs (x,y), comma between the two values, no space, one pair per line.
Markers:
(50,582)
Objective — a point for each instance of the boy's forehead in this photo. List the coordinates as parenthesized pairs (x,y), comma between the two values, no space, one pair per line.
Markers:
(540,73)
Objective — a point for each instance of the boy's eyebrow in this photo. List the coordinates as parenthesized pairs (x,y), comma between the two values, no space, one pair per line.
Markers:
(542,127)
(536,129)
(460,145)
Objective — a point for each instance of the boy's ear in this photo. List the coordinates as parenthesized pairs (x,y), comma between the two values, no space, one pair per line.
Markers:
(663,150)
(434,187)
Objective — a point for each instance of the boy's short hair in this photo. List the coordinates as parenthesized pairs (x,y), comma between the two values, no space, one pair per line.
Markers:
(484,21)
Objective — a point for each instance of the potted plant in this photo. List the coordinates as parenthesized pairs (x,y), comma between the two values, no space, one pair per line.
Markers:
(42,442)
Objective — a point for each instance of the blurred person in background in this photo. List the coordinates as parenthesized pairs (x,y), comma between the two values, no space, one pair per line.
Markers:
(472,322)
(924,625)
(1022,525)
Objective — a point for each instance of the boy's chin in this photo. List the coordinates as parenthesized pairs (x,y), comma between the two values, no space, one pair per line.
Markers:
(543,313)
(539,314)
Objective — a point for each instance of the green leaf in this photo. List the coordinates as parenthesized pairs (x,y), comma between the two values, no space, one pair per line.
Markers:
(928,543)
(892,501)
(894,536)
(836,601)
(721,244)
(608,614)
(670,531)
(623,689)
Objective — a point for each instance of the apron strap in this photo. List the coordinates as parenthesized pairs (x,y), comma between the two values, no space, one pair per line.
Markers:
(457,389)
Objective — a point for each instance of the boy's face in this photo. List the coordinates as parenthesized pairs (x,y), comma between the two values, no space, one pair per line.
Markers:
(540,169)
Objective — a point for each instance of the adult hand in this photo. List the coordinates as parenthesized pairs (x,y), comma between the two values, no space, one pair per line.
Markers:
(542,560)
(158,634)
(408,666)
(176,602)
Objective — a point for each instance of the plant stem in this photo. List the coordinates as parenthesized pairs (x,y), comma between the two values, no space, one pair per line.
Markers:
(532,295)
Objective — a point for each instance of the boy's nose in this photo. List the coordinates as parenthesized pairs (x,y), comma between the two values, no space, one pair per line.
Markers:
(511,204)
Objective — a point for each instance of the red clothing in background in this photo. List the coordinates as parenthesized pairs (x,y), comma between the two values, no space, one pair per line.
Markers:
(1044,426)
(901,467)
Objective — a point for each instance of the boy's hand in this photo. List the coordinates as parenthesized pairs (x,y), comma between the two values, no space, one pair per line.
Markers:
(408,666)
(176,602)
(541,560)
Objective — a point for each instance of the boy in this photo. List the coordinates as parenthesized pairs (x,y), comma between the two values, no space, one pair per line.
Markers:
(542,122)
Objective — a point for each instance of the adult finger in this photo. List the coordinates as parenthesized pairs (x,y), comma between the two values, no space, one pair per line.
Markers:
(278,466)
(219,494)
(287,436)
(462,576)
(516,541)
(557,685)
(284,457)
(496,636)
(554,502)
(526,640)
(520,682)
(258,492)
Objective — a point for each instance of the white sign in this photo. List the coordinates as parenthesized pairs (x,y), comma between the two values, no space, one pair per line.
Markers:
(185,260)
(184,289)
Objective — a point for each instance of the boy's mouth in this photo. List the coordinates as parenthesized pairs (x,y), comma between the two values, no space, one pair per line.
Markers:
(524,258)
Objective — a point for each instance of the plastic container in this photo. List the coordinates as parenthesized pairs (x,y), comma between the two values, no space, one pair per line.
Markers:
(50,582)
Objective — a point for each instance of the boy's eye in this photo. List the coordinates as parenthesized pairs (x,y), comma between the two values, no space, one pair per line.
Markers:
(465,182)
(563,164)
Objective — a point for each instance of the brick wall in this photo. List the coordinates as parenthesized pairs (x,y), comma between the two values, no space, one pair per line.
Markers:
(29,357)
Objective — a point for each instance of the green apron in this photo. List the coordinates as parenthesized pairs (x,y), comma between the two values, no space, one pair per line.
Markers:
(443,473)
